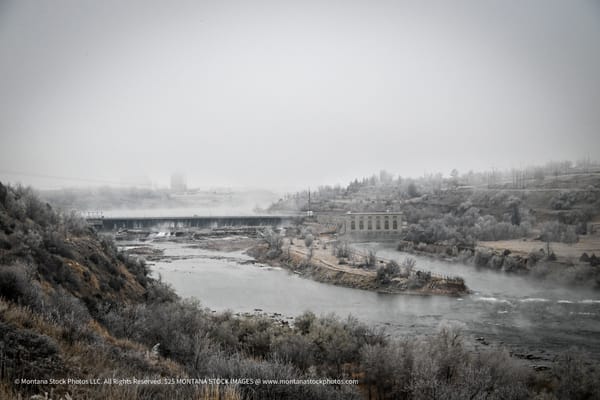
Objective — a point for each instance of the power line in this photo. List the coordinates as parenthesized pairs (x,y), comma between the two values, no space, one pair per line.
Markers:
(67,178)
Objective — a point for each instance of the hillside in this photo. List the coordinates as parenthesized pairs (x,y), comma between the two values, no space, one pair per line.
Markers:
(63,254)
(57,277)
(565,192)
(555,207)
(79,320)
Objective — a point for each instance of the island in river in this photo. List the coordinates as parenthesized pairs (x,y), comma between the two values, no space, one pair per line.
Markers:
(360,271)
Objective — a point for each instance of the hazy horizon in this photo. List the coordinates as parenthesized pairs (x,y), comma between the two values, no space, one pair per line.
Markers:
(284,95)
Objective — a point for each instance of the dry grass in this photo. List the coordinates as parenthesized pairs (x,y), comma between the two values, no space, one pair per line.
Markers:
(126,392)
(7,392)
(104,357)
(324,258)
(24,318)
(217,393)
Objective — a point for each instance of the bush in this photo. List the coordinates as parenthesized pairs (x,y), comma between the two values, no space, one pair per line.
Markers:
(558,232)
(392,268)
(158,291)
(342,250)
(71,313)
(308,240)
(577,381)
(75,224)
(562,201)
(387,272)
(304,322)
(17,285)
(25,353)
(274,241)
(371,259)
(382,277)
(441,366)
(482,257)
(298,350)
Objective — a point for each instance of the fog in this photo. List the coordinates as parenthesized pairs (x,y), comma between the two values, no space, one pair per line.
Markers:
(289,94)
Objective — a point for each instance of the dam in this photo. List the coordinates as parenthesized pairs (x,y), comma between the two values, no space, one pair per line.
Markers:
(193,222)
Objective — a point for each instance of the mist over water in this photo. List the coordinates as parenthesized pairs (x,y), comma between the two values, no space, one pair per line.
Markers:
(217,210)
(526,316)
(485,282)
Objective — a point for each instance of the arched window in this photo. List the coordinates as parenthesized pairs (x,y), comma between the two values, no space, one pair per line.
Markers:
(361,224)
(352,225)
(369,224)
(377,223)
(386,223)
(395,224)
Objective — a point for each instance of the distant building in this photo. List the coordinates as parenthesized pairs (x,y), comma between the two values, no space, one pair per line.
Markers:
(385,222)
(178,183)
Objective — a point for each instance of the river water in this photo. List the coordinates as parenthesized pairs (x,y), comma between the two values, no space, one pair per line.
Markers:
(527,316)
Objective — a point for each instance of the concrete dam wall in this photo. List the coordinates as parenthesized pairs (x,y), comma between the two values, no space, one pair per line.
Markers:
(195,222)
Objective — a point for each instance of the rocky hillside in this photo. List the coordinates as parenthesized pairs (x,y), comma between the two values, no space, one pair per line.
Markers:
(57,278)
(78,320)
(61,254)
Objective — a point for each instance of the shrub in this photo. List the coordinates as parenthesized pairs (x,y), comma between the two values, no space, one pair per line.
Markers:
(342,249)
(382,277)
(274,241)
(392,268)
(577,380)
(371,259)
(16,285)
(304,322)
(65,310)
(308,240)
(387,272)
(75,224)
(482,257)
(158,291)
(558,232)
(418,280)
(407,266)
(298,350)
(25,353)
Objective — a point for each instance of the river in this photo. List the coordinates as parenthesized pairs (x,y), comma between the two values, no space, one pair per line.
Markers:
(527,316)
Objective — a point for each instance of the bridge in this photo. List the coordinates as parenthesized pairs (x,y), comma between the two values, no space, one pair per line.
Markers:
(194,222)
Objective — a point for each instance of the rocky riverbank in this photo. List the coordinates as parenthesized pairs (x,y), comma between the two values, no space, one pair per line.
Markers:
(483,257)
(539,264)
(322,270)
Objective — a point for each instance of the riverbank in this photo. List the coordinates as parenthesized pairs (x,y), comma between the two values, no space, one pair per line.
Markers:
(534,321)
(517,257)
(321,266)
(318,264)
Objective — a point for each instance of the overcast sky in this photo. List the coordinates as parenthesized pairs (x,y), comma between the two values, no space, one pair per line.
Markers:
(286,94)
